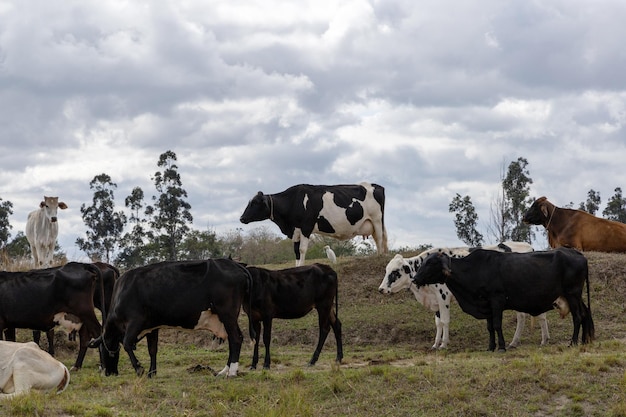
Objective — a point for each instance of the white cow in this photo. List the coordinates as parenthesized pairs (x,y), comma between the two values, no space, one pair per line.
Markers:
(438,297)
(42,230)
(24,366)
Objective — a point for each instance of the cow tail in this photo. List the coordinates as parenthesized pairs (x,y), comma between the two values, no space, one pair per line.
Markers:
(591,331)
(336,298)
(102,297)
(250,283)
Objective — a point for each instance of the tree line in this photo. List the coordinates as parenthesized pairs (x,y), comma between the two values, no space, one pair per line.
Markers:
(513,200)
(160,228)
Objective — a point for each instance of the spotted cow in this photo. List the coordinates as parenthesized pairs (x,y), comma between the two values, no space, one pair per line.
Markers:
(339,211)
(438,297)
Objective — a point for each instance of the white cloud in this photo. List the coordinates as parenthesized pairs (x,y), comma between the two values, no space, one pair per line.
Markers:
(426,98)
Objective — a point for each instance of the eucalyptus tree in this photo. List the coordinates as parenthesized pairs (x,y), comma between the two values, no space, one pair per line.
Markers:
(104,224)
(170,214)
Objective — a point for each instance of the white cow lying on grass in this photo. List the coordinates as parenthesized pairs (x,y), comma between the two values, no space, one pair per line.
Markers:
(24,366)
(438,297)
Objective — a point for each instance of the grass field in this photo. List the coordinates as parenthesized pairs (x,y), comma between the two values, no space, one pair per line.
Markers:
(388,368)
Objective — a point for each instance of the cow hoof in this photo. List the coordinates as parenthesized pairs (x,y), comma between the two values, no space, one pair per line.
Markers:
(151,374)
(139,370)
(502,350)
(252,367)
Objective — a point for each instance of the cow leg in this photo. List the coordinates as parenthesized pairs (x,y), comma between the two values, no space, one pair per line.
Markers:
(439,330)
(83,342)
(519,329)
(153,341)
(545,333)
(267,339)
(497,326)
(302,248)
(492,335)
(235,339)
(324,325)
(575,309)
(50,337)
(9,334)
(130,344)
(444,316)
(256,325)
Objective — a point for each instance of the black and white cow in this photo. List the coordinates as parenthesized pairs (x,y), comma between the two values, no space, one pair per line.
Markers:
(194,295)
(437,297)
(339,211)
(485,283)
(291,294)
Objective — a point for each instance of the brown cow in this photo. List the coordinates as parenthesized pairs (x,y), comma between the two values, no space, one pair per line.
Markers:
(576,228)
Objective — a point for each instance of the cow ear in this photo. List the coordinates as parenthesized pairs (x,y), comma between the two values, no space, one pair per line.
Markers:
(62,205)
(544,210)
(42,204)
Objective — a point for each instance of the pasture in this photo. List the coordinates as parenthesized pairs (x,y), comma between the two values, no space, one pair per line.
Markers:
(388,368)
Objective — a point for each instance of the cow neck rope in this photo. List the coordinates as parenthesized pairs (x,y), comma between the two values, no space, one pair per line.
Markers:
(111,352)
(550,219)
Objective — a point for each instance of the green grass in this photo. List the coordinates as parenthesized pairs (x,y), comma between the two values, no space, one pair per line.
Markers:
(388,367)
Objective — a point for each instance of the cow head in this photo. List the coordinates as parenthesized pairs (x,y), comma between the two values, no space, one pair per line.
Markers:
(258,208)
(539,212)
(109,348)
(397,276)
(50,205)
(435,269)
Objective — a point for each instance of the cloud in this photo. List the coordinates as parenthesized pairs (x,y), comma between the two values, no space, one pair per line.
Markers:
(428,99)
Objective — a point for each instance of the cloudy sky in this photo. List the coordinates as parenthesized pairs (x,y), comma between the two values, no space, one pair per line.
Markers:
(428,98)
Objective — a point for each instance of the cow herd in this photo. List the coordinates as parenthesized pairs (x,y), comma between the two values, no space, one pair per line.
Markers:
(209,294)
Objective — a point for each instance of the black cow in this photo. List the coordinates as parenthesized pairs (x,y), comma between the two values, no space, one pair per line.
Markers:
(43,298)
(101,301)
(339,211)
(487,282)
(191,295)
(290,294)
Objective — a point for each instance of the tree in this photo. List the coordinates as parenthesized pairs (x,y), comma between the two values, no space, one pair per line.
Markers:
(516,191)
(105,225)
(592,204)
(133,251)
(200,245)
(616,207)
(19,246)
(465,220)
(170,214)
(6,209)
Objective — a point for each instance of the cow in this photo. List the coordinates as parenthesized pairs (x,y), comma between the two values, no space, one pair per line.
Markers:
(41,299)
(23,366)
(576,228)
(290,294)
(485,283)
(101,300)
(205,295)
(438,297)
(42,230)
(339,211)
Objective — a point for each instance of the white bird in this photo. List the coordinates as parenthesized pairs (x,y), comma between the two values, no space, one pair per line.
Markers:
(330,254)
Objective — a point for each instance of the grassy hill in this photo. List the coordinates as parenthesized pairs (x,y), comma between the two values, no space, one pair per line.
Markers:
(388,366)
